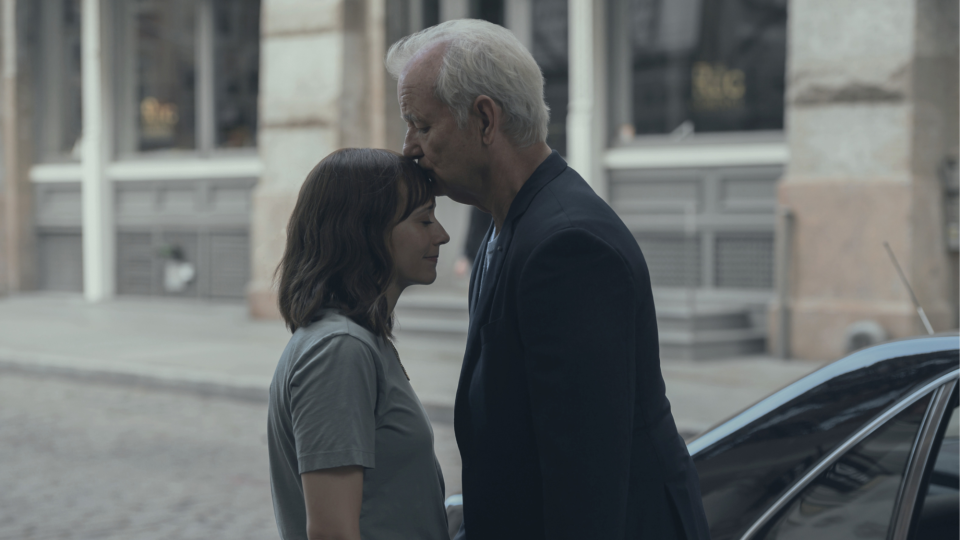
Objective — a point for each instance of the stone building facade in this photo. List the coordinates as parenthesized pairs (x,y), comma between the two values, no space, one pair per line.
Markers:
(761,152)
(872,130)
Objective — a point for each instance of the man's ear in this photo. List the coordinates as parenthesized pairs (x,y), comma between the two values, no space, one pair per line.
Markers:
(490,115)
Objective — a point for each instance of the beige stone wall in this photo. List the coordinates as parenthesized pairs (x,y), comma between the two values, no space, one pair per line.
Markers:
(18,258)
(872,113)
(315,97)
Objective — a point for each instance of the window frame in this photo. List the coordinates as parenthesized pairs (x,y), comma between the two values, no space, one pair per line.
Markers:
(916,481)
(50,122)
(124,85)
(619,95)
(942,389)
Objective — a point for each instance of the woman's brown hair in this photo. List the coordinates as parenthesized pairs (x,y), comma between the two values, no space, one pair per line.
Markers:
(337,254)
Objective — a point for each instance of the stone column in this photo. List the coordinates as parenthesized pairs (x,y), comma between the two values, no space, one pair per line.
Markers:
(585,116)
(871,116)
(315,97)
(99,229)
(19,242)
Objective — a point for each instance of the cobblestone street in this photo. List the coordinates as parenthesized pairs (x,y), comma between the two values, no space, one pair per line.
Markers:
(122,428)
(85,460)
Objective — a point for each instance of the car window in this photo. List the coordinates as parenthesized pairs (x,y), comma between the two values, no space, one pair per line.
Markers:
(743,473)
(939,515)
(854,497)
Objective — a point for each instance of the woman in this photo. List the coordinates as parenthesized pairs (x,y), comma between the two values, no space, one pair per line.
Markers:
(351,448)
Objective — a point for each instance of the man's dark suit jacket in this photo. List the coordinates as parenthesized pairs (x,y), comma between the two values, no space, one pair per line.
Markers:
(561,418)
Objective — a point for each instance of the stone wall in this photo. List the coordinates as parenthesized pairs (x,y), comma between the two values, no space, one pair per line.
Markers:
(18,257)
(871,116)
(314,98)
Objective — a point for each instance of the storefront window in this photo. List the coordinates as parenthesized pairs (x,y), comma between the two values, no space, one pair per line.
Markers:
(57,45)
(550,51)
(188,74)
(237,66)
(166,75)
(685,66)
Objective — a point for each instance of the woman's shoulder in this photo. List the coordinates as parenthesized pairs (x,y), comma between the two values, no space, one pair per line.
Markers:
(333,327)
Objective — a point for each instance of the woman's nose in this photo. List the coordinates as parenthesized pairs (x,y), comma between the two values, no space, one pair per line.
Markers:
(444,237)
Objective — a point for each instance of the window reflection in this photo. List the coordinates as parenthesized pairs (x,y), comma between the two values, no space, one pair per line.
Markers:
(188,74)
(550,51)
(165,73)
(854,498)
(237,65)
(698,66)
(740,472)
(939,514)
(58,80)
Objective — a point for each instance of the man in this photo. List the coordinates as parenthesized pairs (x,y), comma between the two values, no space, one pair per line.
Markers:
(563,426)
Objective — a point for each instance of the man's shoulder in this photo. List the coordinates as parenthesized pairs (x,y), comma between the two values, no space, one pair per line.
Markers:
(569,202)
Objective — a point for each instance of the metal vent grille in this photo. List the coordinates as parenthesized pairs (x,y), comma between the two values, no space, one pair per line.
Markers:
(135,268)
(745,262)
(229,265)
(673,260)
(61,261)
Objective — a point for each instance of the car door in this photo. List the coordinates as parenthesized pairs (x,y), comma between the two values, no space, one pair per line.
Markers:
(875,483)
(936,513)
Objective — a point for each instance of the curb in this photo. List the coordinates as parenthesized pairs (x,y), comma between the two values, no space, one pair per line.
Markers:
(204,384)
(251,389)
(170,379)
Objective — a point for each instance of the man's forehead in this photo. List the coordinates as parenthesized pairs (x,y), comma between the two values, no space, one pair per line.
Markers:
(422,69)
(416,98)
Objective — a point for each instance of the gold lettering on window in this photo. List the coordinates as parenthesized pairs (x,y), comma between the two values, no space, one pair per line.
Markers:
(158,119)
(716,88)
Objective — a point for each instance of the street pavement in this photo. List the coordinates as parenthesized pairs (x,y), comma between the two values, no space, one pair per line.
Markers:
(146,418)
(85,459)
(105,461)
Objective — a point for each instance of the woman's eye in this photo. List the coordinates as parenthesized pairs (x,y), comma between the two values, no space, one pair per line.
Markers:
(428,223)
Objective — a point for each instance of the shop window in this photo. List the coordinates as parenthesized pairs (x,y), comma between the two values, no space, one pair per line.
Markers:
(187,74)
(550,50)
(57,76)
(237,72)
(696,66)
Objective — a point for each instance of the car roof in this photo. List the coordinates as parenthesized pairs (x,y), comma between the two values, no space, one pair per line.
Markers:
(855,361)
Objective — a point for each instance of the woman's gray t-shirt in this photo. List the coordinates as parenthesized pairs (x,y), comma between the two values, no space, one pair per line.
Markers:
(339,397)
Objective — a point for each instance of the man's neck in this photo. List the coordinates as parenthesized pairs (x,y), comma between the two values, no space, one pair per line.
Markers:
(508,176)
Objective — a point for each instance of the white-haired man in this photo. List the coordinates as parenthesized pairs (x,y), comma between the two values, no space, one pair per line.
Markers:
(563,426)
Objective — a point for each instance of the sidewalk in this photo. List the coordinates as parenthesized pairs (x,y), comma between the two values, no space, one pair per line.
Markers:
(214,348)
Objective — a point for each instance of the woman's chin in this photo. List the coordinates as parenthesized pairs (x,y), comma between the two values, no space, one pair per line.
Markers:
(425,280)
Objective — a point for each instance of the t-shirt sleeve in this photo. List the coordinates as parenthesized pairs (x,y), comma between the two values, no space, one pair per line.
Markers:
(333,397)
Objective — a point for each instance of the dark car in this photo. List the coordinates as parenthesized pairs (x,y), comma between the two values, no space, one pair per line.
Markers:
(866,447)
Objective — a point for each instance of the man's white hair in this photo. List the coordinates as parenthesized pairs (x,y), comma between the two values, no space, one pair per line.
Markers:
(482,58)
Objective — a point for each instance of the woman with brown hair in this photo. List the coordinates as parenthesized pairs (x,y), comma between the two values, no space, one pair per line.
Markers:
(351,448)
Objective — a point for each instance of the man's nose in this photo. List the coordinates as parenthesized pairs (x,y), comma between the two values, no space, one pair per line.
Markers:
(411,148)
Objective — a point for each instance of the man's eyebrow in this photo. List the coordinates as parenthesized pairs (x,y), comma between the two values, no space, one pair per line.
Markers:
(410,117)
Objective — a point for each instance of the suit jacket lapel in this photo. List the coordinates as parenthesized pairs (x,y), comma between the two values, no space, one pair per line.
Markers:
(481,300)
(545,173)
(476,273)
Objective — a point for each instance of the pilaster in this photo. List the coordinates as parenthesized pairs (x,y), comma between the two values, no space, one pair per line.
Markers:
(318,93)
(871,115)
(18,258)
